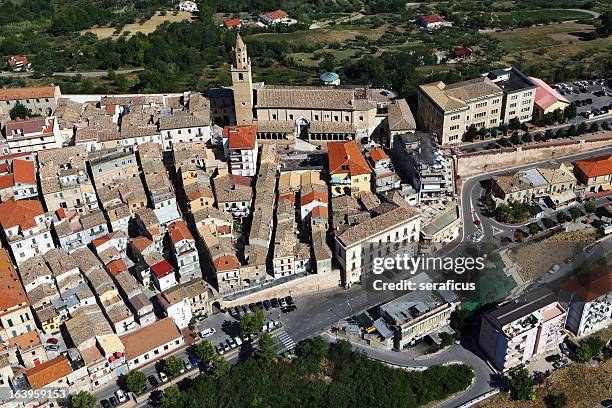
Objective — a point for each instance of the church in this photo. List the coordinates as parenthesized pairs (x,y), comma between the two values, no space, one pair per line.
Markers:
(316,114)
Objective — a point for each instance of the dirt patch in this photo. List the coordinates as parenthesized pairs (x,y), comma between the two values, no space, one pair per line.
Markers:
(537,258)
(584,386)
(146,27)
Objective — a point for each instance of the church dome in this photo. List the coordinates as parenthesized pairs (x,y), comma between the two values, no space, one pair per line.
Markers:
(329,77)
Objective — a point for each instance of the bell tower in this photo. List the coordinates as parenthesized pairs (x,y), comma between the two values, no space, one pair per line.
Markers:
(242,83)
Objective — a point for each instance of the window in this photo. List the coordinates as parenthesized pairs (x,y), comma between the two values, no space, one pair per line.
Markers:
(481,105)
(240,76)
(455,117)
(513,97)
(290,117)
(494,111)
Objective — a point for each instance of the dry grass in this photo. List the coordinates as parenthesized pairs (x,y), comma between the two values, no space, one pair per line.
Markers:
(337,34)
(536,258)
(543,36)
(146,28)
(584,386)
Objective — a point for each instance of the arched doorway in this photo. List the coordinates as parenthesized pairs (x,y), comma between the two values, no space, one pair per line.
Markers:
(302,124)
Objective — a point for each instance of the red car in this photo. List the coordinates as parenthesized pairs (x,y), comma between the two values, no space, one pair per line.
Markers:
(476,222)
(52,340)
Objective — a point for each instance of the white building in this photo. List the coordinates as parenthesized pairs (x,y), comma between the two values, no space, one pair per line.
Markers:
(32,134)
(151,343)
(240,145)
(26,227)
(189,6)
(519,93)
(183,128)
(163,275)
(184,251)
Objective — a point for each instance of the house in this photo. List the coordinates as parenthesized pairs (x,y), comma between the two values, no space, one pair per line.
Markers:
(418,314)
(432,21)
(522,186)
(232,23)
(163,275)
(276,17)
(589,301)
(189,6)
(522,328)
(18,181)
(211,220)
(79,230)
(18,63)
(312,197)
(184,251)
(32,134)
(233,194)
(441,229)
(520,94)
(449,110)
(397,231)
(594,173)
(240,145)
(348,169)
(199,195)
(226,265)
(41,100)
(385,178)
(547,100)
(285,241)
(26,228)
(52,373)
(183,127)
(461,53)
(322,259)
(15,315)
(112,165)
(400,119)
(64,268)
(151,343)
(561,183)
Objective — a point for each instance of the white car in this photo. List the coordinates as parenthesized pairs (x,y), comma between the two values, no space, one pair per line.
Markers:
(187,364)
(121,397)
(163,377)
(238,341)
(207,332)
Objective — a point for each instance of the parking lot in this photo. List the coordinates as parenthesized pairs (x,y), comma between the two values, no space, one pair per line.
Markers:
(592,98)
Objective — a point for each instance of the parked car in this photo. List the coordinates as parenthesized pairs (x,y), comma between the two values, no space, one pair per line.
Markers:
(52,340)
(554,269)
(231,343)
(187,364)
(283,303)
(208,332)
(245,309)
(195,361)
(274,302)
(105,404)
(52,347)
(565,349)
(266,304)
(113,402)
(559,364)
(252,306)
(238,341)
(153,381)
(121,396)
(606,403)
(260,305)
(162,376)
(553,358)
(226,346)
(233,313)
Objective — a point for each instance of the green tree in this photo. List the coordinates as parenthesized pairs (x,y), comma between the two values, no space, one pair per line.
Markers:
(570,112)
(560,134)
(266,348)
(596,344)
(329,62)
(558,115)
(534,228)
(555,400)
(205,351)
(20,111)
(594,127)
(136,381)
(220,367)
(447,339)
(488,202)
(173,366)
(548,223)
(584,354)
(505,210)
(590,207)
(83,399)
(527,138)
(521,384)
(582,128)
(515,138)
(561,217)
(514,124)
(171,397)
(575,212)
(252,322)
(605,126)
(571,131)
(549,134)
(470,134)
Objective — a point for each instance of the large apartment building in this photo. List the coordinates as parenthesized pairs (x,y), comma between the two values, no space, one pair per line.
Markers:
(519,93)
(518,330)
(449,110)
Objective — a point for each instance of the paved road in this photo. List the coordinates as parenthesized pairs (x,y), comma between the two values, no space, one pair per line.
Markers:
(85,74)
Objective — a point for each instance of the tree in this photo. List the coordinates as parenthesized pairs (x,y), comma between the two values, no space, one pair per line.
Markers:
(83,399)
(205,351)
(173,366)
(571,131)
(548,223)
(555,400)
(560,134)
(252,322)
(515,138)
(605,126)
(549,134)
(521,384)
(596,344)
(482,133)
(504,210)
(514,124)
(534,228)
(594,127)
(584,354)
(488,202)
(561,217)
(447,339)
(20,111)
(575,212)
(267,348)
(470,133)
(527,138)
(171,397)
(136,381)
(570,112)
(558,115)
(590,207)
(220,367)
(329,62)
(582,128)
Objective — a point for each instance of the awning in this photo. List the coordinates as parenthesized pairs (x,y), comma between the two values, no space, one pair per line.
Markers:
(564,197)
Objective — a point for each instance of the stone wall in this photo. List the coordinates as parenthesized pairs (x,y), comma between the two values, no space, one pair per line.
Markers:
(308,284)
(471,164)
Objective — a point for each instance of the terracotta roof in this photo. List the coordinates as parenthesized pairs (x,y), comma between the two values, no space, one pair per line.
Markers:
(26,340)
(149,338)
(141,243)
(545,95)
(400,116)
(319,212)
(226,263)
(18,60)
(596,166)
(23,172)
(305,97)
(434,18)
(6,181)
(20,213)
(456,96)
(9,94)
(178,231)
(27,126)
(241,137)
(590,286)
(376,225)
(277,14)
(232,22)
(313,196)
(378,154)
(162,268)
(48,372)
(11,291)
(347,154)
(100,241)
(116,266)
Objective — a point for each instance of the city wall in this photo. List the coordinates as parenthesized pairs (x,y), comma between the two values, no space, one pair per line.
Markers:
(471,164)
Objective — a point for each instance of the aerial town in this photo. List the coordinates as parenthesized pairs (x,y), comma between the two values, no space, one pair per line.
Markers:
(152,240)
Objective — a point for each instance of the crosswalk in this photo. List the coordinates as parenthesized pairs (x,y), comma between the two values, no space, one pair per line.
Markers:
(285,340)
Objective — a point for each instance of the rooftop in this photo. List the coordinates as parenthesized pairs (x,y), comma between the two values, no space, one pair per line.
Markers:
(345,157)
(545,95)
(596,166)
(376,225)
(48,372)
(149,338)
(12,293)
(10,94)
(523,306)
(457,96)
(241,137)
(22,213)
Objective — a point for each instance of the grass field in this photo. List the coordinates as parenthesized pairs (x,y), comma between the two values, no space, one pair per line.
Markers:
(146,28)
(333,34)
(531,38)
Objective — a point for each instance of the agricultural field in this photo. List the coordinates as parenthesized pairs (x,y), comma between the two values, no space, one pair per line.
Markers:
(145,27)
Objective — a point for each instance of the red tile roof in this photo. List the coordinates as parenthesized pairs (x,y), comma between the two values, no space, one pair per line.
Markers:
(226,263)
(434,18)
(5,168)
(162,268)
(342,154)
(149,338)
(178,231)
(314,196)
(6,181)
(18,60)
(116,266)
(287,196)
(545,95)
(100,241)
(277,14)
(20,212)
(378,154)
(241,137)
(232,22)
(596,166)
(462,51)
(240,180)
(11,291)
(23,172)
(10,94)
(141,243)
(590,286)
(31,125)
(48,372)
(319,212)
